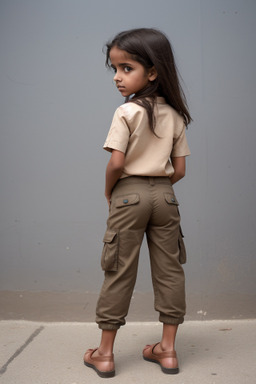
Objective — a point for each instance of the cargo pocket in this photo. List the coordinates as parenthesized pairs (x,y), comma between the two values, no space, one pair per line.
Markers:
(182,249)
(170,198)
(109,257)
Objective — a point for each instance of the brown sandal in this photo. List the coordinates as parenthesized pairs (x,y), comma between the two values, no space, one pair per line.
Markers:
(149,355)
(92,362)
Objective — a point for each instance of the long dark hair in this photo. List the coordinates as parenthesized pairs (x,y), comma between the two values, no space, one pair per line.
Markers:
(151,47)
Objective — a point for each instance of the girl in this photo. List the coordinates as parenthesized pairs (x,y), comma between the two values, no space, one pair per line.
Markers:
(148,147)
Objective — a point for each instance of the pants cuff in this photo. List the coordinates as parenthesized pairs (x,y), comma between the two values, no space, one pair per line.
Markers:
(108,327)
(170,320)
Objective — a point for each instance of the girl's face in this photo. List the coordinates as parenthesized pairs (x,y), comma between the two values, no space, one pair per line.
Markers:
(130,76)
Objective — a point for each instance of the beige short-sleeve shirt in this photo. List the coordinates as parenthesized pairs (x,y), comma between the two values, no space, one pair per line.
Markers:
(145,153)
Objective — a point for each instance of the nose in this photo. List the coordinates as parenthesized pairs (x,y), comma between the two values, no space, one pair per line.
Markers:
(117,76)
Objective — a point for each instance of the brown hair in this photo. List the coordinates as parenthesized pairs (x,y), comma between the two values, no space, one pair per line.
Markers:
(151,47)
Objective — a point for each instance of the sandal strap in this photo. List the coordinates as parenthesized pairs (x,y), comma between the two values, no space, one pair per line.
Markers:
(165,354)
(100,358)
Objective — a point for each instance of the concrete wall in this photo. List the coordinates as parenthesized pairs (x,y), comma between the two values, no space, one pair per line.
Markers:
(56,104)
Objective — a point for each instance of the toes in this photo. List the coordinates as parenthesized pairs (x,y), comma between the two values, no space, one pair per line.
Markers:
(146,347)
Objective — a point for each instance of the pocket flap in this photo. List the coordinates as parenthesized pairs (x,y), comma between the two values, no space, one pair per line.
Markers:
(171,199)
(126,200)
(109,236)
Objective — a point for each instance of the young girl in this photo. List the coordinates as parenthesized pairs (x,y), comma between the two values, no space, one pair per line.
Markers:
(148,148)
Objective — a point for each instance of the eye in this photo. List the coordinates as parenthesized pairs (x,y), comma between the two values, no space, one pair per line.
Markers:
(127,69)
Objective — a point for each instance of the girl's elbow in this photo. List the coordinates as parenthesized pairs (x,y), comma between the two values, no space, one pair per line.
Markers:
(117,161)
(117,166)
(182,173)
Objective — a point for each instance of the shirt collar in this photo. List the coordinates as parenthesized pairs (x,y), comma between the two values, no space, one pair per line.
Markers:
(160,100)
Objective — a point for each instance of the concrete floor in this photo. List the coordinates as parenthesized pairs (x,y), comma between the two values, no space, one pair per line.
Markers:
(44,335)
(209,352)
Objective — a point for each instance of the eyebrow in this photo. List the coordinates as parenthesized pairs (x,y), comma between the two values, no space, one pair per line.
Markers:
(122,65)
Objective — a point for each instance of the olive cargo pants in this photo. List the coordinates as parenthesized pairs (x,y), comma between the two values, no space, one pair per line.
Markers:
(142,205)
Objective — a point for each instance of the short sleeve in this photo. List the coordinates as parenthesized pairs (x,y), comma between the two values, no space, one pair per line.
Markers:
(119,133)
(180,145)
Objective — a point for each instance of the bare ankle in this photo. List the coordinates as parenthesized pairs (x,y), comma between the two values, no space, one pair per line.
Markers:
(166,347)
(104,352)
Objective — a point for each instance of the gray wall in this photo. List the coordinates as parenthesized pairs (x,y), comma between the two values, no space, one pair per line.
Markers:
(56,104)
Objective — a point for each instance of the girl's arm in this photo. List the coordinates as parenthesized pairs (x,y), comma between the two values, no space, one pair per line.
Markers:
(179,165)
(113,172)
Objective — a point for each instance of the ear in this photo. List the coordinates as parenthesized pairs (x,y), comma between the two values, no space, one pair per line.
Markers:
(152,74)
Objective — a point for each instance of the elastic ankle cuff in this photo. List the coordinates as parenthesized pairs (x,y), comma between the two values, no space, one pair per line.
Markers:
(170,320)
(108,327)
